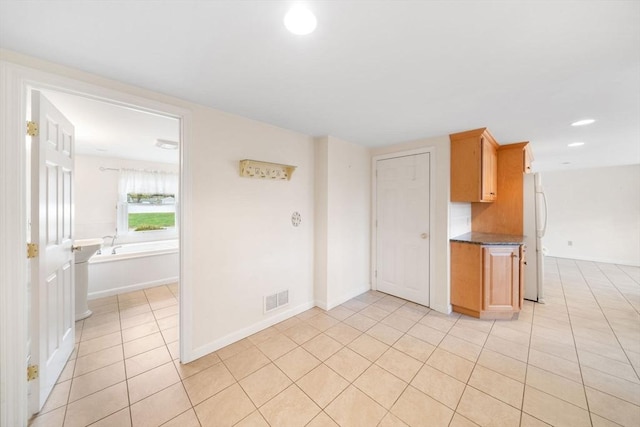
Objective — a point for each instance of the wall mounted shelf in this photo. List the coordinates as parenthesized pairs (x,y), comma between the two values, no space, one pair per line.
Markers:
(265,170)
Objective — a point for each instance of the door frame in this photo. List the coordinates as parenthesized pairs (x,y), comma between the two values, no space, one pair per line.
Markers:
(432,212)
(16,81)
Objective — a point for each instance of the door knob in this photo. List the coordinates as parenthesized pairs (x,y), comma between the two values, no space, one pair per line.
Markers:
(424,235)
(76,248)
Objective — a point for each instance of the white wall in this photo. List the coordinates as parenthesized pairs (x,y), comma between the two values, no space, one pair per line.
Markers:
(321,209)
(245,246)
(598,210)
(240,245)
(440,299)
(343,212)
(96,196)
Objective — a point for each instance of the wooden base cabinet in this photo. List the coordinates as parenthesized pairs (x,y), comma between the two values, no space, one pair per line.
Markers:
(486,280)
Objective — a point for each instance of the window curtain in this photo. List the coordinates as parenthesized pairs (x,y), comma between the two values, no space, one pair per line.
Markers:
(146,182)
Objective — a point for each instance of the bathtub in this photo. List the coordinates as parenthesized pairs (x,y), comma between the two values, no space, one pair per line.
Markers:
(134,266)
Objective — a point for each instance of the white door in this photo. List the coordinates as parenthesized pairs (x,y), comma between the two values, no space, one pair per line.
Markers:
(403,235)
(52,283)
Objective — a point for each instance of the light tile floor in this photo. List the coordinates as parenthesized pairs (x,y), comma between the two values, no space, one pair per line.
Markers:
(374,361)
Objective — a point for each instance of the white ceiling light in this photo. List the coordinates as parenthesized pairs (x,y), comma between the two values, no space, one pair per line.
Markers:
(300,20)
(166,144)
(583,122)
(575,144)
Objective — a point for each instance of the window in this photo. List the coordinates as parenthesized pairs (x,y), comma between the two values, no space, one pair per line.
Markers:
(148,201)
(148,212)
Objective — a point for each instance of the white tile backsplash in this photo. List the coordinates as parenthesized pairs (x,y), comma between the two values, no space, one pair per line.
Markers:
(459,218)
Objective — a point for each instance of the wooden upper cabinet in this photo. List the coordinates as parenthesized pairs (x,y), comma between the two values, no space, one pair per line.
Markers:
(489,181)
(474,166)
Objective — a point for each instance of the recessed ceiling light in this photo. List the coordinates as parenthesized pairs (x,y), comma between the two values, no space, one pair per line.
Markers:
(575,144)
(583,122)
(566,163)
(300,20)
(166,144)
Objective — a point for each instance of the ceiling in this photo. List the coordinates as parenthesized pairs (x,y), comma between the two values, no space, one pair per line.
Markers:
(374,72)
(109,130)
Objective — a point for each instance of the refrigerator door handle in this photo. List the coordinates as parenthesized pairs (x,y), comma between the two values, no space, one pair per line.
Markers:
(542,231)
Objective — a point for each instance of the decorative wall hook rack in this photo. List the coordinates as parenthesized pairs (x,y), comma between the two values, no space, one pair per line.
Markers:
(265,170)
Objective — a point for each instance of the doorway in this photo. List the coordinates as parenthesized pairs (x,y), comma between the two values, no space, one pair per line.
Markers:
(403,220)
(139,148)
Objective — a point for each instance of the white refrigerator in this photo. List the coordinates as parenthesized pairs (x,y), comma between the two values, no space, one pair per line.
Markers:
(535,224)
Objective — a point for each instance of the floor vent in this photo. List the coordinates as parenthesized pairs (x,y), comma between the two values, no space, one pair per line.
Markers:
(277,300)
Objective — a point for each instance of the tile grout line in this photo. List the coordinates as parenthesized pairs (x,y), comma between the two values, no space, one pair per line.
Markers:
(166,346)
(466,384)
(526,367)
(612,330)
(126,376)
(551,372)
(387,411)
(584,390)
(104,388)
(607,318)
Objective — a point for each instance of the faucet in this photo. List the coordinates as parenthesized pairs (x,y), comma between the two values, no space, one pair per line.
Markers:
(113,238)
(113,251)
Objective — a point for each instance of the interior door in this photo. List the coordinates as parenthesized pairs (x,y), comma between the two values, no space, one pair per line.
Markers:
(52,288)
(403,235)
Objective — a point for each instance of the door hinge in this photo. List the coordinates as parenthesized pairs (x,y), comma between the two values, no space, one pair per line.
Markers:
(32,250)
(32,372)
(376,273)
(32,128)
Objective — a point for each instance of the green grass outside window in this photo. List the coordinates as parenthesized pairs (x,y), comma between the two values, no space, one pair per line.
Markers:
(151,220)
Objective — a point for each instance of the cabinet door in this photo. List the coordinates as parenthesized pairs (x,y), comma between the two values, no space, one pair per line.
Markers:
(501,278)
(489,170)
(466,170)
(466,276)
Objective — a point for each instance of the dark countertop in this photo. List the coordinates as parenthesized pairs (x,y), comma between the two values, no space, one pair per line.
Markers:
(488,239)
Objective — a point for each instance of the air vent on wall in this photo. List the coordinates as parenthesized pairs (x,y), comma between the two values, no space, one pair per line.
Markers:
(277,300)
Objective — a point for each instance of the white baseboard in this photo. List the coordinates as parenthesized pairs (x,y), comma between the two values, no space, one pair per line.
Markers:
(326,306)
(131,288)
(321,304)
(197,353)
(346,297)
(633,263)
(442,308)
